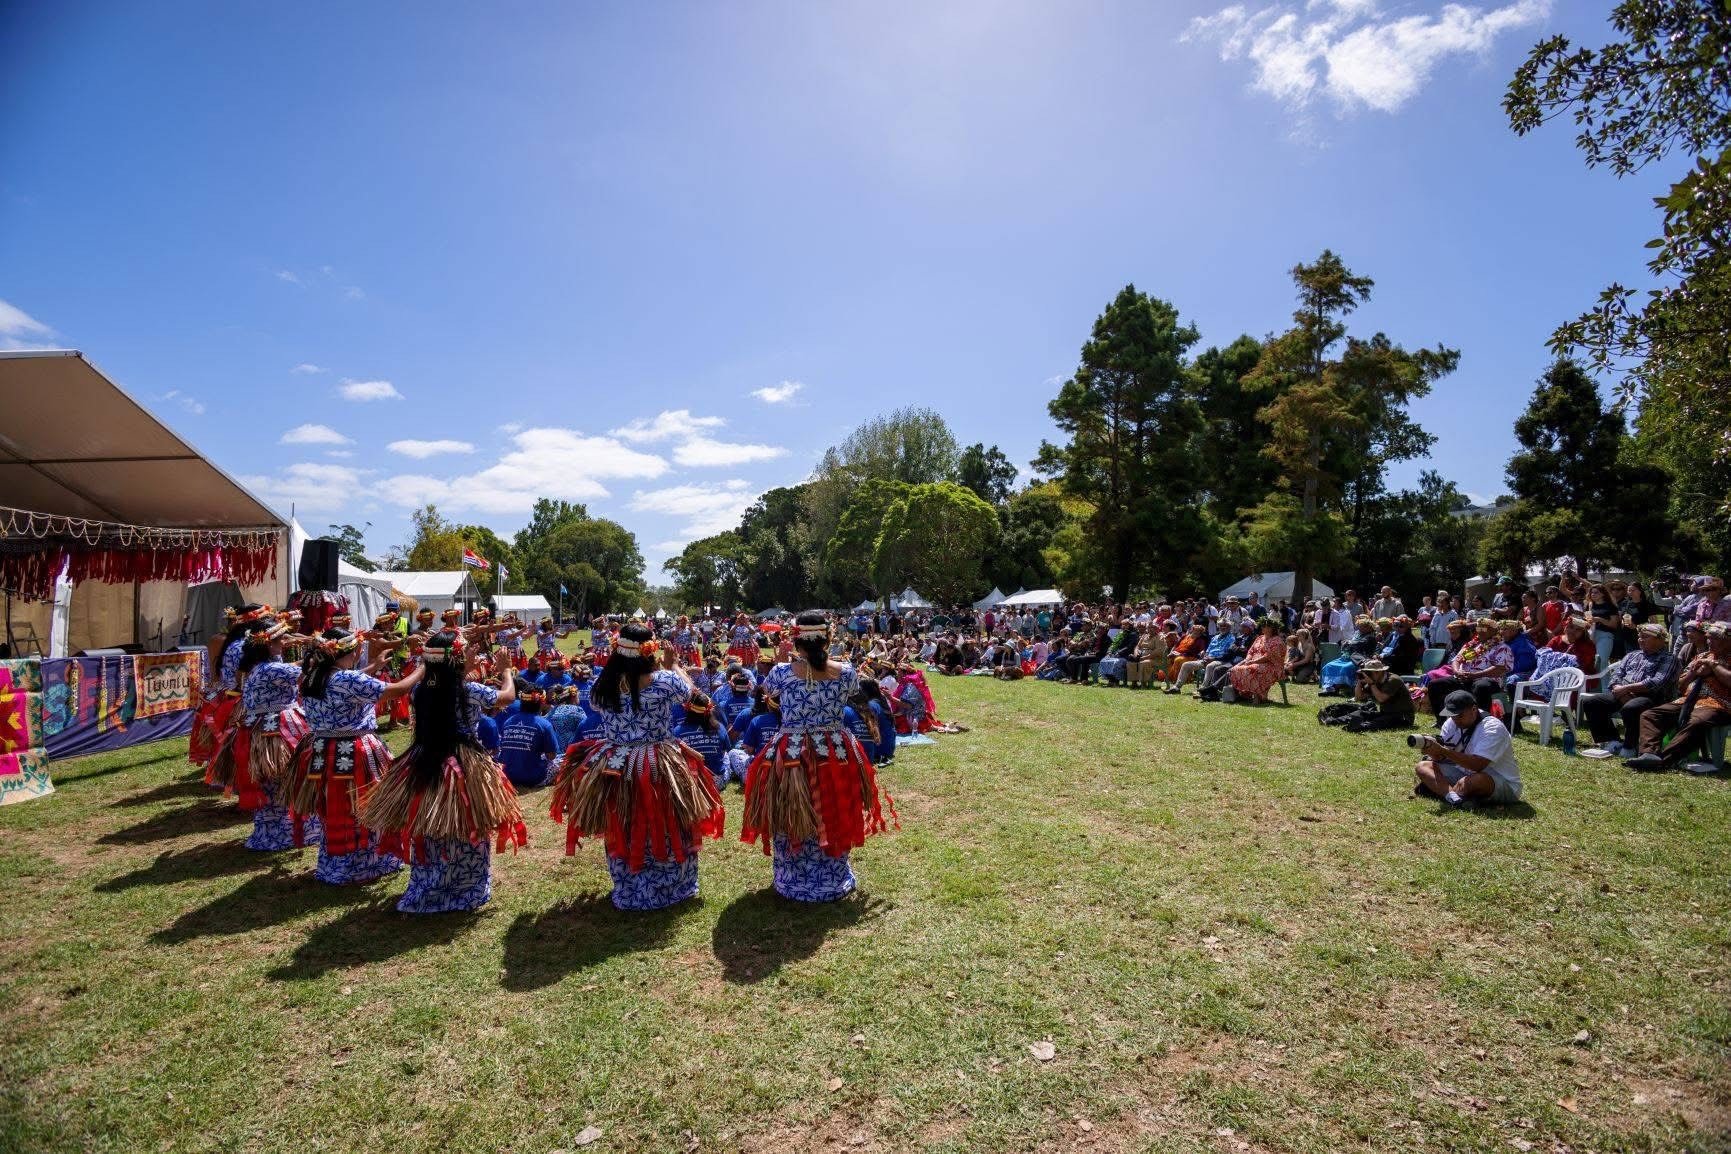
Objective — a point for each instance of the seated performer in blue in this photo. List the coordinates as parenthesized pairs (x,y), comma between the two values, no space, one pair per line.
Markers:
(811,794)
(703,733)
(528,745)
(647,794)
(342,758)
(444,801)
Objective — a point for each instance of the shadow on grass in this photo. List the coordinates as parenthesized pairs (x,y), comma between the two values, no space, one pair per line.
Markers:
(542,948)
(371,933)
(168,791)
(211,859)
(201,817)
(106,764)
(271,899)
(758,933)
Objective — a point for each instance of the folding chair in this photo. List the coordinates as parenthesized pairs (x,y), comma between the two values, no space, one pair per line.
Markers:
(1563,684)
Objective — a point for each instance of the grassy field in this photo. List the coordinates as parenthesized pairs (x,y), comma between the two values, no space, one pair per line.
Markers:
(1236,930)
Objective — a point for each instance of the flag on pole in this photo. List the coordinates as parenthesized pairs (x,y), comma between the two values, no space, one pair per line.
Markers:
(474,560)
(561,588)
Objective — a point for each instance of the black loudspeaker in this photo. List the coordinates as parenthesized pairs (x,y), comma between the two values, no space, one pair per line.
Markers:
(319,566)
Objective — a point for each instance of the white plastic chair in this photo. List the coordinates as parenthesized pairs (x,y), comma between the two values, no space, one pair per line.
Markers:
(1562,685)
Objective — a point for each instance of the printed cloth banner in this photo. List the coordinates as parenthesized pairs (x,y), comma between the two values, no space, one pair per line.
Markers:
(23,760)
(166,682)
(90,705)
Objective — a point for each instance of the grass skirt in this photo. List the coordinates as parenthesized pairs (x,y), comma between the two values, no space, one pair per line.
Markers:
(648,802)
(818,787)
(805,873)
(472,803)
(327,779)
(209,725)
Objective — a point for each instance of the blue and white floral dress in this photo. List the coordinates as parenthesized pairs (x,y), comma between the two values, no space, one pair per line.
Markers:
(447,829)
(811,830)
(647,794)
(333,767)
(275,726)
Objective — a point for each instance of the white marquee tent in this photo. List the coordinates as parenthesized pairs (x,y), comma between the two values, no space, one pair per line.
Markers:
(1272,587)
(908,599)
(991,600)
(435,589)
(529,607)
(1035,597)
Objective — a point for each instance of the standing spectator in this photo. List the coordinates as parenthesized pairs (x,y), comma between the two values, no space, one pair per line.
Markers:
(1633,686)
(1437,633)
(1340,622)
(1507,599)
(1353,605)
(1387,605)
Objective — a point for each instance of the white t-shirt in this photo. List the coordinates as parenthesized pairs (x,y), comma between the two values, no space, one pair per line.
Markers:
(1490,740)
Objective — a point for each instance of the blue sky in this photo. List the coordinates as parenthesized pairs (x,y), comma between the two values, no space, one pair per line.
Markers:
(657,257)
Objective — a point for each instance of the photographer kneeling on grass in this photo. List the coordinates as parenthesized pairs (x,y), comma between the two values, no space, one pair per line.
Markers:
(1472,760)
(1380,701)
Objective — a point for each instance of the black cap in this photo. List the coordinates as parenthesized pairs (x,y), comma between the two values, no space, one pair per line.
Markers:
(1455,702)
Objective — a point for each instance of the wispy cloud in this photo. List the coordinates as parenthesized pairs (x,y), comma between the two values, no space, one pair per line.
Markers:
(704,509)
(191,404)
(778,394)
(424,449)
(511,428)
(353,293)
(339,454)
(304,367)
(701,452)
(288,276)
(313,435)
(666,426)
(1350,51)
(369,391)
(309,486)
(19,330)
(540,465)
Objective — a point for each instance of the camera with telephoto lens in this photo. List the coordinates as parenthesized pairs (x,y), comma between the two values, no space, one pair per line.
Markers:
(1416,740)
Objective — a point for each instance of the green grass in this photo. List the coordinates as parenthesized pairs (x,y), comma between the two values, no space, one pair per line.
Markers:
(1223,918)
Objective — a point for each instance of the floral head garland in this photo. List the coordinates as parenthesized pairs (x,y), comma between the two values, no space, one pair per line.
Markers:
(627,648)
(337,646)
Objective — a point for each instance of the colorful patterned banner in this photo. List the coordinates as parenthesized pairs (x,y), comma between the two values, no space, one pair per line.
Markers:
(90,704)
(166,682)
(23,761)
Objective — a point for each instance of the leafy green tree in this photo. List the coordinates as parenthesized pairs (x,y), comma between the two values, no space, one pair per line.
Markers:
(987,472)
(1230,463)
(1579,489)
(850,557)
(352,546)
(1415,540)
(773,556)
(1028,527)
(934,538)
(706,572)
(1130,418)
(1335,421)
(595,559)
(433,541)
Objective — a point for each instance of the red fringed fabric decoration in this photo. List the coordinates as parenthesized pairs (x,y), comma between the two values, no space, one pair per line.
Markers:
(31,576)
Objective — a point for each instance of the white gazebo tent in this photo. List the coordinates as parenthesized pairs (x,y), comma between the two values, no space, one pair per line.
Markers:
(73,444)
(529,607)
(991,600)
(1272,587)
(1034,598)
(908,599)
(866,607)
(435,589)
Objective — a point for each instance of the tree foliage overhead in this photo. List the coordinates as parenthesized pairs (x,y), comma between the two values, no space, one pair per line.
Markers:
(1660,91)
(1129,416)
(352,547)
(934,538)
(987,472)
(706,572)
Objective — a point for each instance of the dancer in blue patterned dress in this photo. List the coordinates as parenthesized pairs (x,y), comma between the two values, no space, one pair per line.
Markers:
(811,793)
(342,757)
(647,794)
(222,688)
(274,727)
(444,802)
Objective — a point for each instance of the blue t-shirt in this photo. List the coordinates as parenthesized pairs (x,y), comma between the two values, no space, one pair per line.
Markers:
(856,725)
(526,745)
(759,730)
(487,733)
(712,744)
(886,747)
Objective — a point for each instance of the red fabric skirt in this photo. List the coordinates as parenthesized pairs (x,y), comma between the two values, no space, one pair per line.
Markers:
(209,726)
(747,654)
(330,776)
(815,785)
(640,799)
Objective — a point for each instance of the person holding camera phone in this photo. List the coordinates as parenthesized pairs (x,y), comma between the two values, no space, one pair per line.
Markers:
(1471,760)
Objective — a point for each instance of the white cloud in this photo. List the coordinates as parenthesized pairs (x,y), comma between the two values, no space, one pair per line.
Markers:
(424,449)
(287,276)
(778,394)
(369,391)
(353,293)
(309,486)
(666,426)
(304,367)
(1350,51)
(191,404)
(313,435)
(339,454)
(704,509)
(511,428)
(560,464)
(698,452)
(19,331)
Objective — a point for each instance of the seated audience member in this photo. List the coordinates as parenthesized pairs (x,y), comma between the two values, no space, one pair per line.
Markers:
(1218,669)
(1250,680)
(1631,687)
(1147,662)
(1188,657)
(1115,666)
(566,717)
(1704,687)
(528,747)
(1576,641)
(703,732)
(1480,666)
(1083,657)
(1472,760)
(487,730)
(1523,653)
(1363,644)
(1460,631)
(1301,657)
(1052,669)
(1402,650)
(870,699)
(1219,650)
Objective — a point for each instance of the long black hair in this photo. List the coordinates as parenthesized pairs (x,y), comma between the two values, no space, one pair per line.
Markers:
(862,705)
(439,701)
(316,670)
(256,651)
(815,650)
(619,667)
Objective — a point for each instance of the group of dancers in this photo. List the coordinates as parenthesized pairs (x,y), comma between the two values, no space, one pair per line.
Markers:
(297,745)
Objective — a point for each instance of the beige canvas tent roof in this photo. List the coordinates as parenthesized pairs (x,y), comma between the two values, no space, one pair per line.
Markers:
(73,442)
